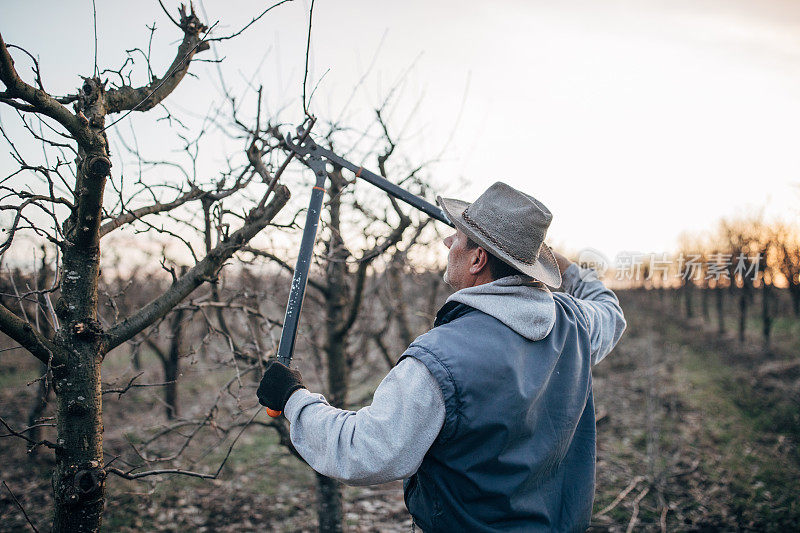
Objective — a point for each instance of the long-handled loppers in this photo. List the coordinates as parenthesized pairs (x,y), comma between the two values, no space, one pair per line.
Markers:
(316,157)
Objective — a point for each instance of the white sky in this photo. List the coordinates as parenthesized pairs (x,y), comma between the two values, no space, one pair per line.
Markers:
(631,120)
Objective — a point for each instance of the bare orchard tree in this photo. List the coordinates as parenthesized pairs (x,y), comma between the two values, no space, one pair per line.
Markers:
(359,225)
(61,201)
(743,239)
(786,241)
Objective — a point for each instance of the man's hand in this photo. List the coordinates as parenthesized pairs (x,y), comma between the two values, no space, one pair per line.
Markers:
(562,261)
(278,383)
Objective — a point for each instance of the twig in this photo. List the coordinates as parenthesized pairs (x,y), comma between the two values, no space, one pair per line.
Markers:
(378,338)
(16,292)
(635,514)
(316,86)
(285,164)
(33,443)
(168,15)
(52,312)
(283,264)
(689,470)
(255,19)
(308,49)
(94,15)
(138,475)
(20,507)
(12,348)
(621,496)
(132,385)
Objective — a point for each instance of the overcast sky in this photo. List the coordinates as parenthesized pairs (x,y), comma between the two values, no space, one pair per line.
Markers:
(631,120)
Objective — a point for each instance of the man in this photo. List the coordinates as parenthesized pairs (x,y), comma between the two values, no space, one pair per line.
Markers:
(489,415)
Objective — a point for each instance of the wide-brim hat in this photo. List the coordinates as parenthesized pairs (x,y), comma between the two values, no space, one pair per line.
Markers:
(510,225)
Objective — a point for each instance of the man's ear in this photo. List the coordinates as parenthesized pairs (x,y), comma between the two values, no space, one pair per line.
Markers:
(480,261)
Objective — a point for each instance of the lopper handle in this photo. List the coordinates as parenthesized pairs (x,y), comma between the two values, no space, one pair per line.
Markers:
(300,277)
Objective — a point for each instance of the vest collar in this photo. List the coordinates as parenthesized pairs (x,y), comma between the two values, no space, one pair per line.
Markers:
(450,311)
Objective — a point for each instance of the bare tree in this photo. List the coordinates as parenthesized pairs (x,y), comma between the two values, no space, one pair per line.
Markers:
(721,280)
(742,239)
(359,226)
(787,260)
(170,357)
(64,204)
(691,274)
(344,288)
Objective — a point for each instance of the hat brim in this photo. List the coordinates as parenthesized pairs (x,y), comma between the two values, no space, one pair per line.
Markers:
(544,269)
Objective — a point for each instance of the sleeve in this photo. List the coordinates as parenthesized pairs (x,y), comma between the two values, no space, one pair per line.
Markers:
(600,306)
(382,442)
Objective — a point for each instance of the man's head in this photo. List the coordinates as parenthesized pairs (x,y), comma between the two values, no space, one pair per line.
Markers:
(500,234)
(469,264)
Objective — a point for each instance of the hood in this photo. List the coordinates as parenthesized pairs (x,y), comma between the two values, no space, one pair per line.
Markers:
(521,303)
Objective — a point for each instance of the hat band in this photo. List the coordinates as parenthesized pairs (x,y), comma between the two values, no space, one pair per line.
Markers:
(496,242)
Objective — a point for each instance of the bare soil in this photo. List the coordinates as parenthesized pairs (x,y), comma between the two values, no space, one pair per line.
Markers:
(696,432)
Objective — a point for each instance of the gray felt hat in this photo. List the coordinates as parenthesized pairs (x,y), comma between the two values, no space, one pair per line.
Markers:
(510,225)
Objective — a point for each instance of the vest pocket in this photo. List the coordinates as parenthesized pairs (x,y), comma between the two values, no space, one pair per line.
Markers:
(424,503)
(409,486)
(438,509)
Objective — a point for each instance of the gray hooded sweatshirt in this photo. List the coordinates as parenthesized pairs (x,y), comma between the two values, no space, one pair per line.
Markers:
(388,439)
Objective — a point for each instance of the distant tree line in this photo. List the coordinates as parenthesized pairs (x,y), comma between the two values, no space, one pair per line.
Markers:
(745,267)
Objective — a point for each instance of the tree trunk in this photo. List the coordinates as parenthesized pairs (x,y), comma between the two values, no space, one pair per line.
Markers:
(78,478)
(433,302)
(329,505)
(766,313)
(76,350)
(171,389)
(172,367)
(336,299)
(720,292)
(794,293)
(329,490)
(743,297)
(400,307)
(688,299)
(136,360)
(172,362)
(43,389)
(39,405)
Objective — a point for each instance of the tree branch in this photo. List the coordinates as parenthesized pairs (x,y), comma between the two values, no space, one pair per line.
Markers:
(30,339)
(143,98)
(159,352)
(361,274)
(21,508)
(202,271)
(137,475)
(321,287)
(33,443)
(255,19)
(136,214)
(41,101)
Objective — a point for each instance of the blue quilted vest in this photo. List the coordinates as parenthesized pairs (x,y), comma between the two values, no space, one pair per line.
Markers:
(517,448)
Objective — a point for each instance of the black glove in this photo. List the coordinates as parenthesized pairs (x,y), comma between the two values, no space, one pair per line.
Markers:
(278,383)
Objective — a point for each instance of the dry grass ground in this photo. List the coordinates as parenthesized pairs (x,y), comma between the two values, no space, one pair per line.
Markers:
(694,433)
(700,432)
